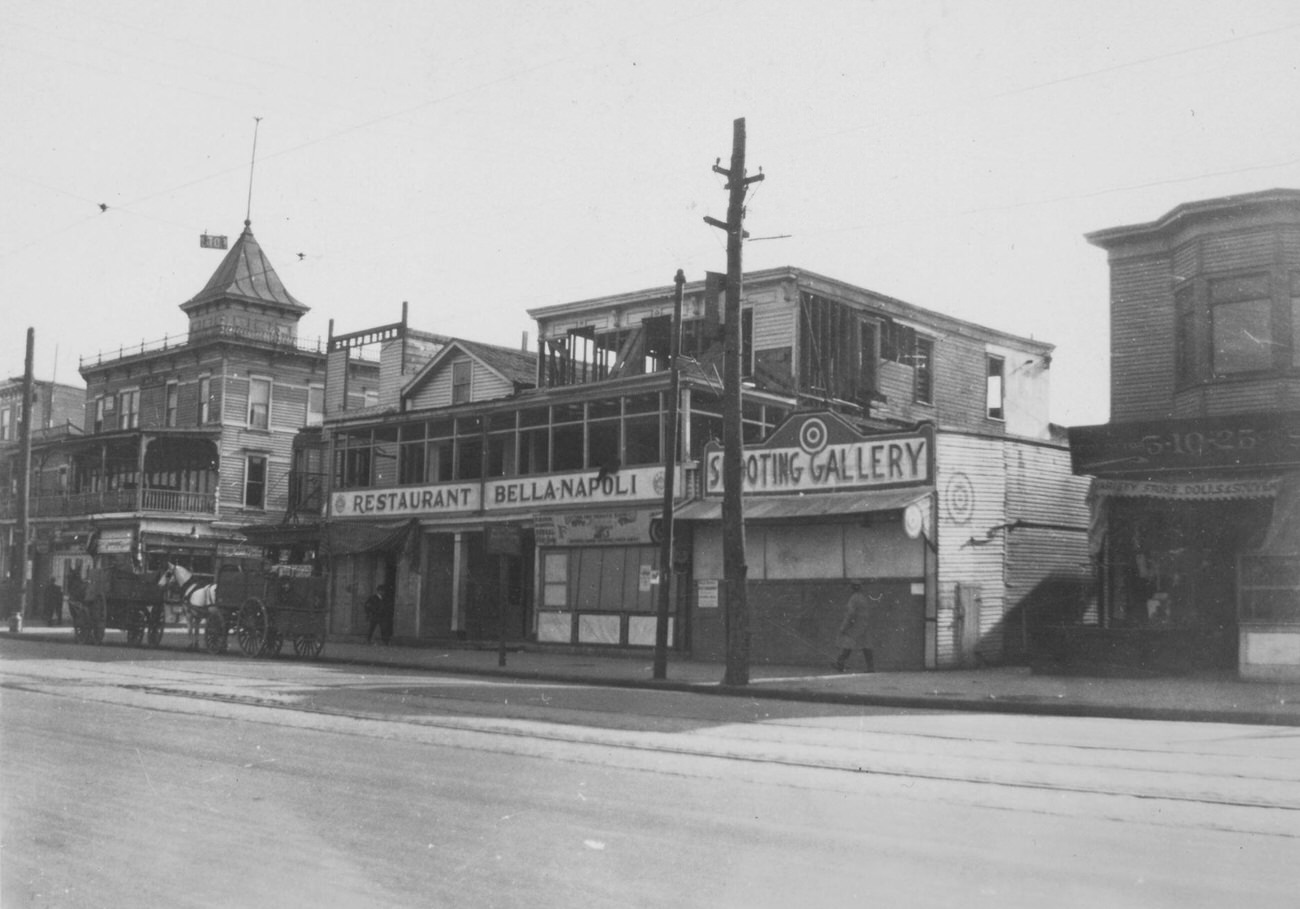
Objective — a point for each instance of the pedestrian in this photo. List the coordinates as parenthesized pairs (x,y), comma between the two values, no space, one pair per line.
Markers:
(379,613)
(53,603)
(852,634)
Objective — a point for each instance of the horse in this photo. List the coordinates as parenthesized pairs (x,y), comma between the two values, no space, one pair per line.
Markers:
(198,595)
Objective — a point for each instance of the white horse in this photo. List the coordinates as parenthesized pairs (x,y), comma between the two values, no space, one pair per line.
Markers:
(198,596)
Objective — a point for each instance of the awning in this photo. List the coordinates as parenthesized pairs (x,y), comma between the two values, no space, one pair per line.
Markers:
(1199,490)
(358,537)
(807,506)
(309,534)
(1283,537)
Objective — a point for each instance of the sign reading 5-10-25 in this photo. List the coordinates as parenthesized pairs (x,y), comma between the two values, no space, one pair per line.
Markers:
(822,453)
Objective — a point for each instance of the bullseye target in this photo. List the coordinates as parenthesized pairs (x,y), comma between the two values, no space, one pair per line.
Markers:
(812,436)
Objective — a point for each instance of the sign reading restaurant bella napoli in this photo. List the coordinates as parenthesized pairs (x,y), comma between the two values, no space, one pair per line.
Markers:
(505,494)
(821,452)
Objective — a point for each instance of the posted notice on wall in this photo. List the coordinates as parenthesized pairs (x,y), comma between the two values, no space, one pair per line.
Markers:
(706,594)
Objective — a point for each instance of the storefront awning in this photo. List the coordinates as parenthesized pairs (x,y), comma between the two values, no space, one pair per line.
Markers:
(1283,537)
(807,506)
(309,535)
(1198,490)
(356,538)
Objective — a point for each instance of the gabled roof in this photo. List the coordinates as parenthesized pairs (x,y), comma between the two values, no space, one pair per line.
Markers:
(518,367)
(246,274)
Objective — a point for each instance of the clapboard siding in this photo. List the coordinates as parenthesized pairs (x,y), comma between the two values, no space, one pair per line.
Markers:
(1141,339)
(971,486)
(485,385)
(1240,249)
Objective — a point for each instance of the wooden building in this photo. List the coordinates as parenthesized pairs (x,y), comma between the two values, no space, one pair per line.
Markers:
(499,491)
(1196,506)
(187,440)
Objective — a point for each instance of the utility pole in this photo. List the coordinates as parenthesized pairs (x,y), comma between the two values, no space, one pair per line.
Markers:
(734,569)
(25,484)
(670,471)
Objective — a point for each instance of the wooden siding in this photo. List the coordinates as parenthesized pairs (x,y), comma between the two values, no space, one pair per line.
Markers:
(485,385)
(1049,572)
(971,486)
(1239,249)
(1141,339)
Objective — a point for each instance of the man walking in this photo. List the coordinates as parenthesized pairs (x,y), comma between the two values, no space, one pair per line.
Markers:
(852,633)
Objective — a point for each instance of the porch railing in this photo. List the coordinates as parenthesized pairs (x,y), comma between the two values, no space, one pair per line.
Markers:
(117,501)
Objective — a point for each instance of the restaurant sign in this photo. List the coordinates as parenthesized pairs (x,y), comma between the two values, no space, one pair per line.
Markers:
(821,452)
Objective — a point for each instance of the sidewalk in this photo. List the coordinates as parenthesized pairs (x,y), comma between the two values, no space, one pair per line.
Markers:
(1219,697)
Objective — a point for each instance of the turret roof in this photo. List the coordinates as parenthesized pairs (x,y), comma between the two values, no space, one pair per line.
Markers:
(246,274)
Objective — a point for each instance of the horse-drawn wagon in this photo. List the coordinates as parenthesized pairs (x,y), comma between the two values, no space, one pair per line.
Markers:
(261,608)
(117,597)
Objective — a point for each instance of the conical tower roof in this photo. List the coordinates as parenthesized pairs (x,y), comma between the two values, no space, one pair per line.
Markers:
(246,274)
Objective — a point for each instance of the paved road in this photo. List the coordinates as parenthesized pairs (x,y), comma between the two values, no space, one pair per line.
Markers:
(209,782)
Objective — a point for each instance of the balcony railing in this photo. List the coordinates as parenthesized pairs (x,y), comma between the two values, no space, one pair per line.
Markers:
(117,501)
(211,333)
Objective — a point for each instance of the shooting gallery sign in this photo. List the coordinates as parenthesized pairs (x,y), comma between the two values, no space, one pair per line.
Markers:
(821,452)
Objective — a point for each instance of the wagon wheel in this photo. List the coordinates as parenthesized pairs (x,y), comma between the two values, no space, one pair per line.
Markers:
(274,641)
(157,625)
(95,631)
(308,645)
(80,625)
(252,626)
(135,625)
(214,631)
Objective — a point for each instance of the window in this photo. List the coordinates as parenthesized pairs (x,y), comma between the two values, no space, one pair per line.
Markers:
(99,414)
(1241,324)
(411,455)
(315,405)
(259,403)
(173,393)
(461,372)
(255,481)
(6,425)
(205,400)
(923,376)
(996,388)
(128,409)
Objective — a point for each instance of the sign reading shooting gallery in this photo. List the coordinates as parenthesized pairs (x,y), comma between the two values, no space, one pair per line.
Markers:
(821,452)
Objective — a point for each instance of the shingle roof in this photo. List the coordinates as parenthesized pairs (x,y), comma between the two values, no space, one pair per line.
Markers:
(246,274)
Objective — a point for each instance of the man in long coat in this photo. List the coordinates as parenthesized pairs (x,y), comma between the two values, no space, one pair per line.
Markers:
(853,634)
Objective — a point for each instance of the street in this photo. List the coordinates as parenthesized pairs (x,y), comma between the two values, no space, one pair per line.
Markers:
(157,778)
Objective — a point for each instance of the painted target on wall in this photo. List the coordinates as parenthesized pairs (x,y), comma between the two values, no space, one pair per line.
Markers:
(813,436)
(959,498)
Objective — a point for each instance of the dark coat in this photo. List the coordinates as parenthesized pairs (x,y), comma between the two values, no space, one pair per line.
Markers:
(853,632)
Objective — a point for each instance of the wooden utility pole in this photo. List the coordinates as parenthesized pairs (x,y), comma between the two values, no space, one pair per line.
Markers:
(734,569)
(25,484)
(670,471)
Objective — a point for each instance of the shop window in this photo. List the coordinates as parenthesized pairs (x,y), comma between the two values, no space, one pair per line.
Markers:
(995,388)
(555,588)
(255,481)
(1241,325)
(259,403)
(1270,589)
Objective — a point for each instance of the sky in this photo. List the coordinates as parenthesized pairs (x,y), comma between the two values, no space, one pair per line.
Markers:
(478,159)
